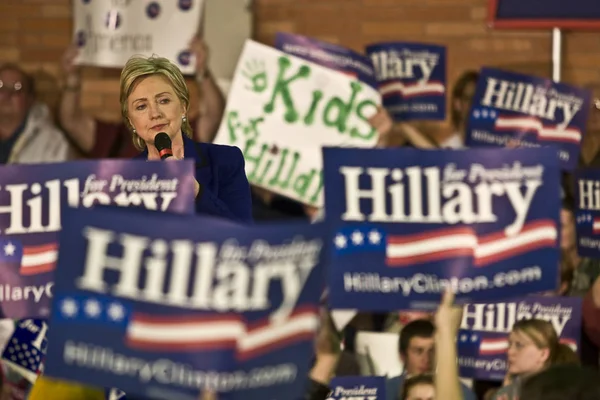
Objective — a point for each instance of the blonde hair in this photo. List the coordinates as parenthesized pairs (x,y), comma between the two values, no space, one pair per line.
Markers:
(544,336)
(138,67)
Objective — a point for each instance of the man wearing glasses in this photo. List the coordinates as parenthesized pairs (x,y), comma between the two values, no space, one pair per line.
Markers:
(27,133)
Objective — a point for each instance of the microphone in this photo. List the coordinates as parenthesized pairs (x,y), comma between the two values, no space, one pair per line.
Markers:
(162,142)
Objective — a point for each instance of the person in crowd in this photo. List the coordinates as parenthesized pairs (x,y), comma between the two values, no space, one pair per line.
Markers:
(419,387)
(100,139)
(421,135)
(154,98)
(533,346)
(562,382)
(27,133)
(591,313)
(460,103)
(417,351)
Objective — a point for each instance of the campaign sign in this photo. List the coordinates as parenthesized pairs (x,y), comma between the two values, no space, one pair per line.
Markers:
(108,33)
(328,55)
(587,214)
(408,223)
(357,388)
(31,198)
(483,338)
(168,312)
(115,394)
(412,79)
(528,112)
(26,349)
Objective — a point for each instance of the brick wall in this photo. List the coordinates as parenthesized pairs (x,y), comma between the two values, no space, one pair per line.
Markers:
(36,32)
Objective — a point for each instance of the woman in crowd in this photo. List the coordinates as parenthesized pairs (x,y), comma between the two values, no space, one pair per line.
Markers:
(420,387)
(154,98)
(533,346)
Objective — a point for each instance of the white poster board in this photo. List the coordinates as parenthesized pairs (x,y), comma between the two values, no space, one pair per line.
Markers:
(281,110)
(109,32)
(378,353)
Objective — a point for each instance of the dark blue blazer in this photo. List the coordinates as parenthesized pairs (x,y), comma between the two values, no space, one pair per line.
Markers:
(220,171)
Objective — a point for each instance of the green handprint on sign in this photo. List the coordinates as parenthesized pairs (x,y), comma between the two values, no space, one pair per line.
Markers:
(256,73)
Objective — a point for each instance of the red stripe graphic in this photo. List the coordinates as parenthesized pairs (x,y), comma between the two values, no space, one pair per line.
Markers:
(446,243)
(229,331)
(545,133)
(415,89)
(38,259)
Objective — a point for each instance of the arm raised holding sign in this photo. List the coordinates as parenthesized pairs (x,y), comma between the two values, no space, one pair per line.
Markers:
(101,139)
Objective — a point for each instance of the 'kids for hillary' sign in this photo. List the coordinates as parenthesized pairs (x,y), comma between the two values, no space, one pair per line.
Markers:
(31,199)
(530,112)
(283,109)
(165,313)
(108,32)
(483,339)
(409,223)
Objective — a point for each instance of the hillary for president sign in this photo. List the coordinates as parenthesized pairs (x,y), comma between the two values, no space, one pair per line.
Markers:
(587,214)
(108,32)
(483,338)
(358,388)
(528,112)
(164,307)
(31,200)
(409,223)
(411,79)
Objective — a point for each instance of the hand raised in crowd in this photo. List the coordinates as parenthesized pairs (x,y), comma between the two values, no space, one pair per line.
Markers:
(200,50)
(382,122)
(327,350)
(448,316)
(327,342)
(68,60)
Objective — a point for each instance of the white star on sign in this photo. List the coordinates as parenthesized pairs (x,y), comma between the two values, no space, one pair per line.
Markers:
(357,237)
(69,308)
(492,114)
(463,338)
(374,237)
(340,241)
(484,113)
(9,249)
(474,338)
(476,113)
(116,312)
(92,308)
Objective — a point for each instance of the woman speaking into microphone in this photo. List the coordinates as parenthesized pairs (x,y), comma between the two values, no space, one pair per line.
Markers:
(154,104)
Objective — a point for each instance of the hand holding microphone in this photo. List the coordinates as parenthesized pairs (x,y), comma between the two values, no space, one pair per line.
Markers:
(162,142)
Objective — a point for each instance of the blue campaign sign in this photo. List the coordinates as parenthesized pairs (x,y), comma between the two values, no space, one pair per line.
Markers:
(25,351)
(408,223)
(519,14)
(483,338)
(357,388)
(31,200)
(328,55)
(529,112)
(587,213)
(411,78)
(163,308)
